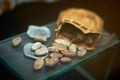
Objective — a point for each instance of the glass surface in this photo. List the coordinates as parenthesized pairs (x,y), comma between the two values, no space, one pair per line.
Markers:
(22,66)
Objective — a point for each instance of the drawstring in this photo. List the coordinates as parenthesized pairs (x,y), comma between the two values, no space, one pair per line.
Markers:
(107,42)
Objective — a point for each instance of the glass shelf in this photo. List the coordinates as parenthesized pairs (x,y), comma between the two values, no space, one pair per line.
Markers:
(21,66)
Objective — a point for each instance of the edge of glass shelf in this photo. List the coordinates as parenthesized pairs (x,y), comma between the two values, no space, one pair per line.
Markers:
(59,72)
(116,44)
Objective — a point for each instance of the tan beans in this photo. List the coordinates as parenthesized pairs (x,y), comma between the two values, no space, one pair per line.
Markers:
(38,64)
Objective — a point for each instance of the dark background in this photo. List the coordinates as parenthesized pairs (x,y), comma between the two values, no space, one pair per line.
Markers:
(17,21)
